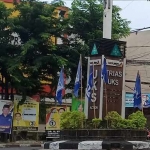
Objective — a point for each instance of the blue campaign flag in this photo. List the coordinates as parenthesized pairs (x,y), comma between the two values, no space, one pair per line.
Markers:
(104,74)
(60,87)
(78,79)
(90,84)
(137,92)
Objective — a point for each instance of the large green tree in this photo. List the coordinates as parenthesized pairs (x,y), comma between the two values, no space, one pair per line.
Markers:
(37,56)
(86,18)
(85,22)
(7,50)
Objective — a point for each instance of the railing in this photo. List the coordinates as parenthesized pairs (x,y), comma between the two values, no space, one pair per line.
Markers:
(99,134)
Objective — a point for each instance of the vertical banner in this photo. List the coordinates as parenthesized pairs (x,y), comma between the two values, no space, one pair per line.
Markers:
(26,116)
(94,103)
(6,114)
(77,105)
(53,121)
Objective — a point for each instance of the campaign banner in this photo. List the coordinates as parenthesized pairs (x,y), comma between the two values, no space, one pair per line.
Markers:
(129,102)
(53,120)
(26,116)
(6,115)
(77,105)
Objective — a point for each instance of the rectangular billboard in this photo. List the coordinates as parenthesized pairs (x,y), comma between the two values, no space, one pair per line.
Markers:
(26,116)
(129,100)
(53,120)
(6,115)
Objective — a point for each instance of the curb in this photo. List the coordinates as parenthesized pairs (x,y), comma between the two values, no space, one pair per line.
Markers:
(99,145)
(20,145)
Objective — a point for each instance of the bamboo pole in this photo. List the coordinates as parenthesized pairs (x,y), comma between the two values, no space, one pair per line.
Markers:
(141,94)
(81,77)
(81,83)
(106,102)
(65,91)
(93,92)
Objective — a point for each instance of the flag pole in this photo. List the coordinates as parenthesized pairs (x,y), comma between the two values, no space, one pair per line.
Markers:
(65,88)
(141,93)
(106,102)
(105,77)
(81,76)
(93,92)
(81,82)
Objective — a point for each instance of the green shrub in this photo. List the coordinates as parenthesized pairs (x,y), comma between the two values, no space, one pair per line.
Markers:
(65,120)
(126,124)
(88,124)
(113,118)
(96,122)
(76,120)
(138,119)
(72,120)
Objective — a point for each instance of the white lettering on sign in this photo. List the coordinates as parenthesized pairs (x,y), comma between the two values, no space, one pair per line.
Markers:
(113,82)
(94,95)
(117,63)
(112,73)
(115,73)
(15,39)
(92,107)
(95,62)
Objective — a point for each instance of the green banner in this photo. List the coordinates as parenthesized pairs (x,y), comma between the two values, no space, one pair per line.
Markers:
(77,104)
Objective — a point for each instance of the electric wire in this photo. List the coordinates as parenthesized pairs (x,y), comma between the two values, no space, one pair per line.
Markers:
(128,5)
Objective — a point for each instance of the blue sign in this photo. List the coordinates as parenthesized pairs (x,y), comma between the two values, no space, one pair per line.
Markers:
(129,101)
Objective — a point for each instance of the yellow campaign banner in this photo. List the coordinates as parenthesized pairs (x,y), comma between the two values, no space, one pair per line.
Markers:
(26,116)
(53,120)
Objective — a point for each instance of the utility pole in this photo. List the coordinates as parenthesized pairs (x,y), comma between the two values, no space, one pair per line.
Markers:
(107,19)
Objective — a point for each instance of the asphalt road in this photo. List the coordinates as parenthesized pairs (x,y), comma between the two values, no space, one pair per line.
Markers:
(21,148)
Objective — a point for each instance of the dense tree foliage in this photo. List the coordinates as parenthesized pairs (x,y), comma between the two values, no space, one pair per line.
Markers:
(37,56)
(86,23)
(7,50)
(86,18)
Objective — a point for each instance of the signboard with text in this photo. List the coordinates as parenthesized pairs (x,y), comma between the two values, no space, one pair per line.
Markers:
(53,120)
(113,90)
(93,105)
(106,98)
(26,117)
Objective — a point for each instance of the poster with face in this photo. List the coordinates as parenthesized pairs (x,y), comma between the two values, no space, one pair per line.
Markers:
(53,115)
(6,115)
(26,116)
(130,100)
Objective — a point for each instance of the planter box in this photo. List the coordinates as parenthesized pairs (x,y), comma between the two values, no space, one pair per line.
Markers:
(101,134)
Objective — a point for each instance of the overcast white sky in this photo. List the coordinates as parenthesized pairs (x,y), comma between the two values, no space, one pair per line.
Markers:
(136,11)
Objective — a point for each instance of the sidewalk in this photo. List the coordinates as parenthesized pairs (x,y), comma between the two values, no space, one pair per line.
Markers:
(22,144)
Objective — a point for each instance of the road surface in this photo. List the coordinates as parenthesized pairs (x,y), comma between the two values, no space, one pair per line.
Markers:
(21,148)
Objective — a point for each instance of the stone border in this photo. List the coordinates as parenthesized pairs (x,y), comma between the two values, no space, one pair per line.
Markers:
(20,145)
(88,145)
